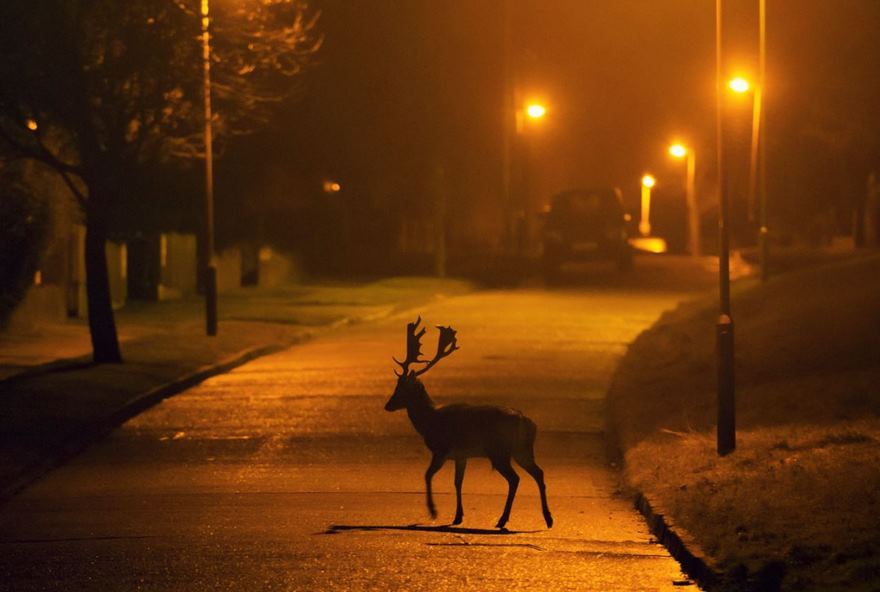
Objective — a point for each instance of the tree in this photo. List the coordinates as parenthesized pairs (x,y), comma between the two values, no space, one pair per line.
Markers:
(99,89)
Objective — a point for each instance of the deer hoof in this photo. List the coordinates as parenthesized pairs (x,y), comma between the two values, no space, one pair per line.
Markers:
(432,511)
(501,523)
(548,519)
(457,520)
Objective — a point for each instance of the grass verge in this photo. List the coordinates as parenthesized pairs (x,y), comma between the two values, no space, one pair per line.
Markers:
(801,495)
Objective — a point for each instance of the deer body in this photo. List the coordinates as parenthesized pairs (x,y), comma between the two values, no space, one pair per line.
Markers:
(460,431)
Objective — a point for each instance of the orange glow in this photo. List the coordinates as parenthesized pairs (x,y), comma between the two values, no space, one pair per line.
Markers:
(649,181)
(332,187)
(32,125)
(536,110)
(678,150)
(739,85)
(649,244)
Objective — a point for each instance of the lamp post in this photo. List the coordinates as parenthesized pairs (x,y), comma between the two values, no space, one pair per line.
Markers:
(527,115)
(757,170)
(508,131)
(681,151)
(726,428)
(648,181)
(210,263)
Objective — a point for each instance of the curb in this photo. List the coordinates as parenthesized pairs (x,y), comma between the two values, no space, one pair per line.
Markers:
(139,403)
(691,560)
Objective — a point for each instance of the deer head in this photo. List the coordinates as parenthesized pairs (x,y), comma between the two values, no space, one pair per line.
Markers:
(407,380)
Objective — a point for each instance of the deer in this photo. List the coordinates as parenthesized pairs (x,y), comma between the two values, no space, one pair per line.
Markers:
(462,431)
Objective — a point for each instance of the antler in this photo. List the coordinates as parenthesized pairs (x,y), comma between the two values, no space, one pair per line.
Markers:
(445,346)
(413,346)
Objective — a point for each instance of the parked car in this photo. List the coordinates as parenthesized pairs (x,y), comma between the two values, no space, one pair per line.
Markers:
(583,225)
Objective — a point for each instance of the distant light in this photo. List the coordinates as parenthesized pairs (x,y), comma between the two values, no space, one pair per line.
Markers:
(32,124)
(649,244)
(649,181)
(536,110)
(678,150)
(332,187)
(739,85)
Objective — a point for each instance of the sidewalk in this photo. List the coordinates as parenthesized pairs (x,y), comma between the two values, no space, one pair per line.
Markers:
(54,402)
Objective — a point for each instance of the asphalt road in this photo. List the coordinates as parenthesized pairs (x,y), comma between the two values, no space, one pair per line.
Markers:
(287,474)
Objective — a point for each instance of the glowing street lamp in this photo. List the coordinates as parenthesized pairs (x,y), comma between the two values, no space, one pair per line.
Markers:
(681,151)
(678,151)
(739,85)
(648,181)
(536,110)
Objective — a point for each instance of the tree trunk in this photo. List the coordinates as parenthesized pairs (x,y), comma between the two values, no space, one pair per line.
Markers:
(105,344)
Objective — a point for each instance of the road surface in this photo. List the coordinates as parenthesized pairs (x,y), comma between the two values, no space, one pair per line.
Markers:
(287,474)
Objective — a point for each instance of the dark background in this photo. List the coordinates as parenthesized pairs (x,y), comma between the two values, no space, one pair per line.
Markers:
(402,87)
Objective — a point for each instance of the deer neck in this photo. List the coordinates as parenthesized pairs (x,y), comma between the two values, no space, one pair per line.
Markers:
(421,411)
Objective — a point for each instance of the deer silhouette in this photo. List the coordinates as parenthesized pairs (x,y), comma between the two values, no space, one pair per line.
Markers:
(462,431)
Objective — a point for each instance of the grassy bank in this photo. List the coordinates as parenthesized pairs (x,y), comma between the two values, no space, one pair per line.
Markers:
(801,494)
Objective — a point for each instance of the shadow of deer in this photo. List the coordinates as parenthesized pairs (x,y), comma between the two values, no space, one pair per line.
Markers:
(463,431)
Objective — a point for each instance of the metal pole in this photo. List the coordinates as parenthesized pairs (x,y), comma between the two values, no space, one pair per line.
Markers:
(726,431)
(757,106)
(439,189)
(211,266)
(507,131)
(691,198)
(763,231)
(645,217)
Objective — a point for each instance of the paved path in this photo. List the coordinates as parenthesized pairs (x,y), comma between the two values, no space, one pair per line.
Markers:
(287,474)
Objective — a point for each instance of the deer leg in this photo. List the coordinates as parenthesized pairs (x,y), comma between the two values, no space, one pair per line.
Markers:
(502,465)
(436,462)
(460,465)
(532,468)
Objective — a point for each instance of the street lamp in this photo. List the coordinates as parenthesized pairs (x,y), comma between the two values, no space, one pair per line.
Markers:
(648,181)
(739,85)
(530,113)
(681,151)
(536,110)
(210,263)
